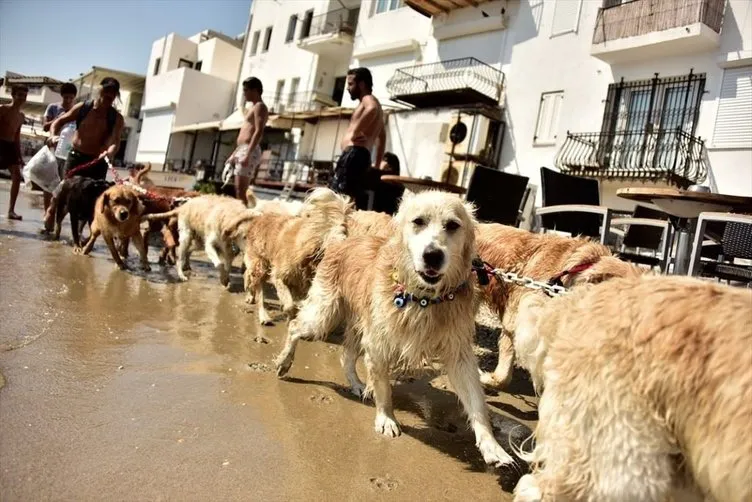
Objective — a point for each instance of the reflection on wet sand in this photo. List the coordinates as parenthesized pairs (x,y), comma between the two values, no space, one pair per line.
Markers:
(137,386)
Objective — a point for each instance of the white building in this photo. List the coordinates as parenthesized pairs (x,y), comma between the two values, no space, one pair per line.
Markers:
(620,91)
(129,104)
(190,88)
(43,91)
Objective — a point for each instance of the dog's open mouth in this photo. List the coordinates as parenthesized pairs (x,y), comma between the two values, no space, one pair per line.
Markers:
(430,276)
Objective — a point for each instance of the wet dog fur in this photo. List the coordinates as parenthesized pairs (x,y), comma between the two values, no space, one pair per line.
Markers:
(648,392)
(209,218)
(77,198)
(285,249)
(117,214)
(430,251)
(539,256)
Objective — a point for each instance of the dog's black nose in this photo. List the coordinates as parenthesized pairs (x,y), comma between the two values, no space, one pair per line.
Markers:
(433,257)
(123,215)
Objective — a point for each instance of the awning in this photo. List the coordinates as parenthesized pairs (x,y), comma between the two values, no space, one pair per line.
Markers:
(200,126)
(234,121)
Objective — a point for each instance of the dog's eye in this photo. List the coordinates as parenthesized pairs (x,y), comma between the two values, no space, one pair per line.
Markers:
(419,222)
(452,225)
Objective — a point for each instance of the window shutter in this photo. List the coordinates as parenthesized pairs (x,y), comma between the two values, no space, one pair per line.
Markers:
(733,123)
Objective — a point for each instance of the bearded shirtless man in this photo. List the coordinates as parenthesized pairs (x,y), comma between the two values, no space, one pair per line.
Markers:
(244,161)
(366,127)
(99,126)
(11,120)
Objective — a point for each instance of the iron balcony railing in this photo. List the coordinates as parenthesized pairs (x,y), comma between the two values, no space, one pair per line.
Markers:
(449,75)
(670,155)
(298,102)
(639,17)
(334,22)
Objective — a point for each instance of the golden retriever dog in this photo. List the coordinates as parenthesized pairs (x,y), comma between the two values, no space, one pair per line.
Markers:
(117,214)
(403,300)
(207,217)
(648,394)
(285,249)
(541,257)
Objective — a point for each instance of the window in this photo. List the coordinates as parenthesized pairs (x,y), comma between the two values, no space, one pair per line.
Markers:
(157,63)
(255,42)
(548,118)
(733,123)
(139,125)
(613,3)
(566,17)
(198,66)
(305,30)
(294,83)
(291,25)
(279,91)
(184,63)
(267,39)
(387,5)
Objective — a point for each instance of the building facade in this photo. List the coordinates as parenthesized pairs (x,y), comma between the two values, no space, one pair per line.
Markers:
(190,89)
(632,92)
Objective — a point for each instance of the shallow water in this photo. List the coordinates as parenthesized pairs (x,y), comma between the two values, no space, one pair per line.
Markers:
(131,386)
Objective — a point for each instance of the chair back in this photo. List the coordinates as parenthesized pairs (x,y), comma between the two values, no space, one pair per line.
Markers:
(562,189)
(497,195)
(642,236)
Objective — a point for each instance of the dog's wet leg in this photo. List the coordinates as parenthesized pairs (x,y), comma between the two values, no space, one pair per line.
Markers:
(463,375)
(378,377)
(186,238)
(210,248)
(350,355)
(502,375)
(140,244)
(75,231)
(320,314)
(110,241)
(92,239)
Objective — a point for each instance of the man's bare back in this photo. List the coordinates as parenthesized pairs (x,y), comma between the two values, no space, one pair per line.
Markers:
(366,124)
(10,123)
(245,135)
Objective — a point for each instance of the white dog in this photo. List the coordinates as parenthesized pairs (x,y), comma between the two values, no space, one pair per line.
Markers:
(403,300)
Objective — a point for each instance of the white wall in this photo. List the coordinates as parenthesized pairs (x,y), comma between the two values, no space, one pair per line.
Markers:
(324,143)
(219,59)
(155,136)
(203,98)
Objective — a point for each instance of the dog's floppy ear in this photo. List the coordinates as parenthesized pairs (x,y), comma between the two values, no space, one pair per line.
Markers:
(105,200)
(137,206)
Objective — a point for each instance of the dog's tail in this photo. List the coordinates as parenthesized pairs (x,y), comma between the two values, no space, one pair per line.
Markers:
(141,173)
(327,213)
(162,216)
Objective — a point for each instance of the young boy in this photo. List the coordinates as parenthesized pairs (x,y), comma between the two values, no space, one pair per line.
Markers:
(11,120)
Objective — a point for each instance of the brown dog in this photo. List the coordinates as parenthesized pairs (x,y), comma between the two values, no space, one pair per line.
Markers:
(540,257)
(117,213)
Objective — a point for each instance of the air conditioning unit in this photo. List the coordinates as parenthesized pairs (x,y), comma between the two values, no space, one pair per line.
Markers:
(480,136)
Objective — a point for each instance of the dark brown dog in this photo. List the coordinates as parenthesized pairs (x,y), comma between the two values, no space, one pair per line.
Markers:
(117,213)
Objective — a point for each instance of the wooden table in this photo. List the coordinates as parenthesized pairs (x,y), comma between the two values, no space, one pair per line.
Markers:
(416,185)
(685,207)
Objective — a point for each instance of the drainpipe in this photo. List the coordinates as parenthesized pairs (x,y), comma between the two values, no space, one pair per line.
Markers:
(235,97)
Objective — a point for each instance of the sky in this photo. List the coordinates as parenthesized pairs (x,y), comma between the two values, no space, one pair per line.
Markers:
(64,38)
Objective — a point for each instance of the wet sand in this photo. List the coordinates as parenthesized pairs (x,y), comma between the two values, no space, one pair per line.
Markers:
(131,386)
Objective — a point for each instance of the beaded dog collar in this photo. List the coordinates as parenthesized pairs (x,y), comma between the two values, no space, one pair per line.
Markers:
(403,297)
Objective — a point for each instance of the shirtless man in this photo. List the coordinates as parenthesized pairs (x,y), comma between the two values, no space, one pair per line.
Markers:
(97,136)
(11,120)
(366,127)
(246,158)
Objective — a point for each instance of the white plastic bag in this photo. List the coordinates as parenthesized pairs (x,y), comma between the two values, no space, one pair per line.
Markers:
(42,170)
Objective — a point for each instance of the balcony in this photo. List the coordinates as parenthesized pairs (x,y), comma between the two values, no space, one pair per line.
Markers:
(672,156)
(430,8)
(331,35)
(642,29)
(455,82)
(300,105)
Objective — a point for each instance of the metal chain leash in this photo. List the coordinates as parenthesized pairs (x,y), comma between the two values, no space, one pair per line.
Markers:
(552,290)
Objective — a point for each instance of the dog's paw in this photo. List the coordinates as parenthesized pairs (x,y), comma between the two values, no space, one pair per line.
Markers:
(250,299)
(527,490)
(78,250)
(146,267)
(358,390)
(493,453)
(387,426)
(283,365)
(495,381)
(182,277)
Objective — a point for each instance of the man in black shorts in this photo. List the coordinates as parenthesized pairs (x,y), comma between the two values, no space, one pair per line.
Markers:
(365,129)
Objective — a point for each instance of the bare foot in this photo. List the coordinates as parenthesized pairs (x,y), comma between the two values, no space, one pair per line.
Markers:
(13,216)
